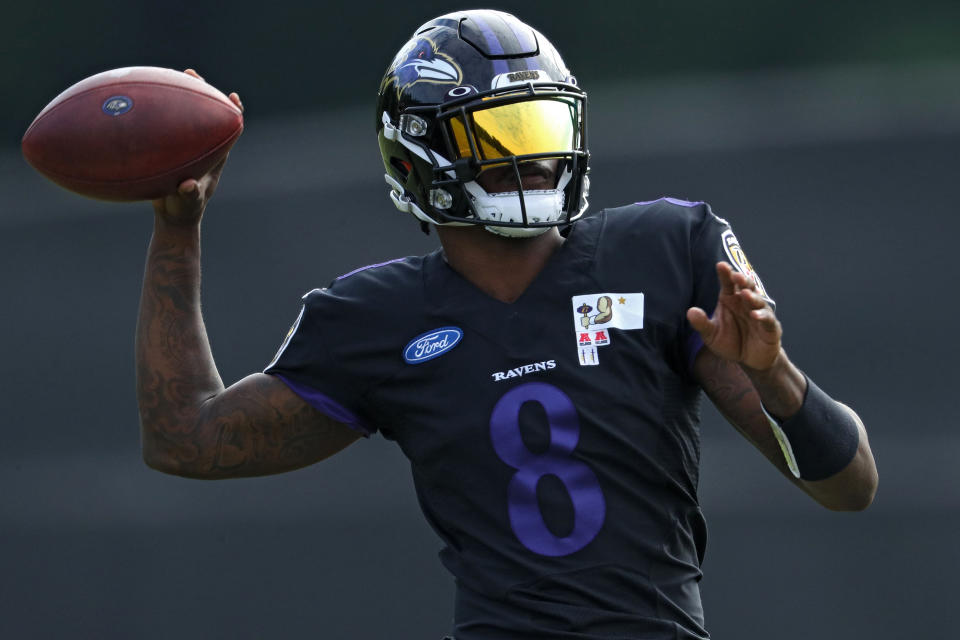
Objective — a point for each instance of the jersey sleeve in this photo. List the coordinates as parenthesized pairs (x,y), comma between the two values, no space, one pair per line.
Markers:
(307,361)
(713,242)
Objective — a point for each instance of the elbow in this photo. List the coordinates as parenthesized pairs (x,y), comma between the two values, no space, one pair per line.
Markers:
(868,493)
(857,498)
(858,502)
(173,467)
(161,462)
(153,452)
(176,445)
(171,460)
(158,462)
(855,487)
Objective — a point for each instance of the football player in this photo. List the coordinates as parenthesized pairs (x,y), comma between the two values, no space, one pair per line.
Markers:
(541,369)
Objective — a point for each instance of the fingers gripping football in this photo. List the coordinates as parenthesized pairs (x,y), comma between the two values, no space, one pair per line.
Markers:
(186,206)
(743,328)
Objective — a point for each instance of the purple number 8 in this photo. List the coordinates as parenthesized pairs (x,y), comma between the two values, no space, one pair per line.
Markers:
(581,482)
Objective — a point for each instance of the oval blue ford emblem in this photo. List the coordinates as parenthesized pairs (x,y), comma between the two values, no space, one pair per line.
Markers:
(431,344)
(117,105)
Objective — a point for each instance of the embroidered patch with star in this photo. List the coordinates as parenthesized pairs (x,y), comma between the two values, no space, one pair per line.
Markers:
(595,314)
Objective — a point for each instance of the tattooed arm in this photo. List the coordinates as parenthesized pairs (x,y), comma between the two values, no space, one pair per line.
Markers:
(190,424)
(737,397)
(743,369)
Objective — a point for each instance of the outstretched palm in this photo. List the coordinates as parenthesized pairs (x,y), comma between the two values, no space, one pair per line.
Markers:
(743,328)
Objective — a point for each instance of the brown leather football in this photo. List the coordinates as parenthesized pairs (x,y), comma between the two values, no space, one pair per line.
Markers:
(132,134)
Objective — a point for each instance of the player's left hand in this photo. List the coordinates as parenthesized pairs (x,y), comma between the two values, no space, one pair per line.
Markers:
(744,327)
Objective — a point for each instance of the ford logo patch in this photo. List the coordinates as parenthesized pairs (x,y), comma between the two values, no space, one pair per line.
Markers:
(117,105)
(431,344)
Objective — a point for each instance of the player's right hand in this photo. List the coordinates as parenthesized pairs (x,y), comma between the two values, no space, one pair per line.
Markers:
(185,207)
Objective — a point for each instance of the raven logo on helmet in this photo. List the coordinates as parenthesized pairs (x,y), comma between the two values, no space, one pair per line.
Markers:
(420,61)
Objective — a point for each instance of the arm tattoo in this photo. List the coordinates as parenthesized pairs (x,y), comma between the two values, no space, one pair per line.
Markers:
(259,426)
(734,395)
(190,424)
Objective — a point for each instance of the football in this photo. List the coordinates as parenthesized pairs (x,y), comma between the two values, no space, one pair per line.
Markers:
(132,134)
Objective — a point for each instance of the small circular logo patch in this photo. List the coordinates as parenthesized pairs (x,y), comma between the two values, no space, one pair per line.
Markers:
(117,105)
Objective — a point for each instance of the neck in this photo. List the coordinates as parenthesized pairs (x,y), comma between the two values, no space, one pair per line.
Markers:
(501,267)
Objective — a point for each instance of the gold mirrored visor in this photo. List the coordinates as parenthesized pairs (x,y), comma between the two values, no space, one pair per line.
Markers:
(541,125)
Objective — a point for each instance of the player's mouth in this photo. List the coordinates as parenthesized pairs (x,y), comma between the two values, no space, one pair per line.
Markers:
(535,176)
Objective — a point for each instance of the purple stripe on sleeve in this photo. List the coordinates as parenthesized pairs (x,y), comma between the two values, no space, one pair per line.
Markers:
(683,203)
(676,201)
(327,406)
(499,65)
(369,266)
(694,345)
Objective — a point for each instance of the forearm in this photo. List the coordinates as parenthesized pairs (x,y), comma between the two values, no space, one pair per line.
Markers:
(781,387)
(175,368)
(852,488)
(782,390)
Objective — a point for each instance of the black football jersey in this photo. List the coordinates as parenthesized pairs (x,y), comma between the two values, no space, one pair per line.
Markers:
(553,441)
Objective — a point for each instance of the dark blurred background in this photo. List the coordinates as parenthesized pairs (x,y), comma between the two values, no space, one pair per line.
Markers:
(827,132)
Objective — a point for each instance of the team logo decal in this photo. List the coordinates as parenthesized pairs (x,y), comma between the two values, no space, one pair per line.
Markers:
(117,105)
(431,344)
(739,260)
(420,61)
(595,314)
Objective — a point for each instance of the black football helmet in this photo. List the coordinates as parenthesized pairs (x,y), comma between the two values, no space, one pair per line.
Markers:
(474,90)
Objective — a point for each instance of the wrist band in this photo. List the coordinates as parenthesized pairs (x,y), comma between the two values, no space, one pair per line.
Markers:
(818,440)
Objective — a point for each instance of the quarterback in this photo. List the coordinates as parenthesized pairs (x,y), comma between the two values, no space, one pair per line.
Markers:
(542,369)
